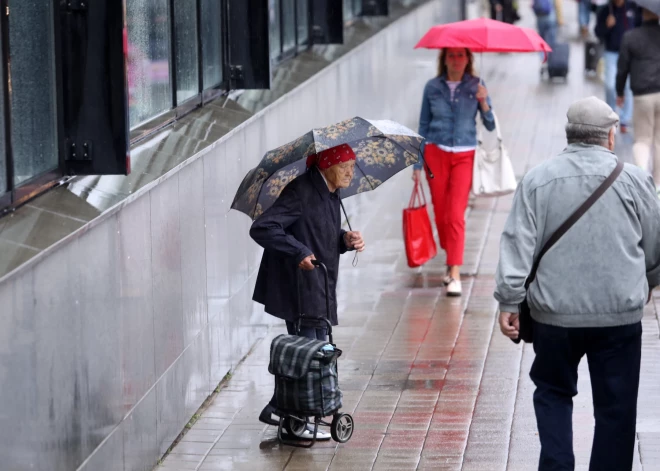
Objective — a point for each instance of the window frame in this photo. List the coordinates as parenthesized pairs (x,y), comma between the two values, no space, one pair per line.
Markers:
(303,46)
(203,96)
(193,101)
(17,194)
(7,196)
(298,47)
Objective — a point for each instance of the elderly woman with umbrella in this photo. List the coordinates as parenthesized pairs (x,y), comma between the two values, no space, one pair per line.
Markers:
(303,224)
(294,195)
(451,102)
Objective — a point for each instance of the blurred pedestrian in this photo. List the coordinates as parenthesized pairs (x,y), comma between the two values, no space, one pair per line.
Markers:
(503,10)
(303,225)
(584,17)
(612,21)
(590,289)
(450,105)
(547,19)
(639,59)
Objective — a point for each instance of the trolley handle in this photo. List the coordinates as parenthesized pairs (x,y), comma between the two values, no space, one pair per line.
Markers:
(326,277)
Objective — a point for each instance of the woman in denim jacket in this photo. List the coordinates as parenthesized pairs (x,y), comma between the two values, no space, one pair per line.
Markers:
(448,124)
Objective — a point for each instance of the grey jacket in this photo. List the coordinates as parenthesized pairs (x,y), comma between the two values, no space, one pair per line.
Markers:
(598,274)
(639,57)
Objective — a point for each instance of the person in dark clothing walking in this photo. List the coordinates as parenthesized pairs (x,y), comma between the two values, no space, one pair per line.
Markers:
(639,58)
(304,224)
(612,21)
(504,10)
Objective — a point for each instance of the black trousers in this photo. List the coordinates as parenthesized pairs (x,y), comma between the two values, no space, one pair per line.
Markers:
(614,355)
(317,333)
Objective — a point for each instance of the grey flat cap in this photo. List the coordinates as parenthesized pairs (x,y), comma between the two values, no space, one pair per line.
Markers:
(594,112)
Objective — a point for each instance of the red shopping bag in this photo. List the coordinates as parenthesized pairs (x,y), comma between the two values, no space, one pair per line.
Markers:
(417,233)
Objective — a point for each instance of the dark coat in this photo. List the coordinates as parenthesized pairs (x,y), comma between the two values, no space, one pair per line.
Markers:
(304,220)
(625,21)
(639,57)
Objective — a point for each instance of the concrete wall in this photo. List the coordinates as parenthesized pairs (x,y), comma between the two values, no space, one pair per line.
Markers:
(112,338)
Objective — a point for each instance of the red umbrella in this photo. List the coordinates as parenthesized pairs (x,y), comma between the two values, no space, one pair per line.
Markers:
(484,35)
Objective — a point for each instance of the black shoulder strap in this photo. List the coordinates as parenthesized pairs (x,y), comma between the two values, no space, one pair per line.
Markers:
(573,218)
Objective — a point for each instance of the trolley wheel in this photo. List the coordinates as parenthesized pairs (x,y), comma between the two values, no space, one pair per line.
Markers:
(342,427)
(295,426)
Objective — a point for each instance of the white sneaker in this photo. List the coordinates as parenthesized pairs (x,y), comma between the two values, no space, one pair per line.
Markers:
(454,288)
(447,279)
(308,434)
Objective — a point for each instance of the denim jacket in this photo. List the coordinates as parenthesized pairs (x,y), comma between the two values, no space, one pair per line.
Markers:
(451,123)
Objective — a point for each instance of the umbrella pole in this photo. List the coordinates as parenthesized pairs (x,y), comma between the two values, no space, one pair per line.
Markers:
(346,216)
(355,258)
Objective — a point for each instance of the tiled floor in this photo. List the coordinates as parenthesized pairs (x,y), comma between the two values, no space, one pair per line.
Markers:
(430,381)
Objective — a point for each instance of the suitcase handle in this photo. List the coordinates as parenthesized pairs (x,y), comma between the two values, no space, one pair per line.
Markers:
(301,315)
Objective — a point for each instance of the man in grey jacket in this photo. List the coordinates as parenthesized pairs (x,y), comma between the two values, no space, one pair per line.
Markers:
(639,58)
(590,287)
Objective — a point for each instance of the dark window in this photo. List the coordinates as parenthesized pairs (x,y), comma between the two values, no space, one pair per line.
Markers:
(375,7)
(33,102)
(3,145)
(148,67)
(289,25)
(185,34)
(327,22)
(302,15)
(92,80)
(348,10)
(33,105)
(357,7)
(248,52)
(212,57)
(275,30)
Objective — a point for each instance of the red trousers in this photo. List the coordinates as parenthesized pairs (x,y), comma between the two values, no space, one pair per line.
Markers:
(450,190)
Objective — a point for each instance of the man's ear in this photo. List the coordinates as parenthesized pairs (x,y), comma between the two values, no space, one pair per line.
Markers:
(611,139)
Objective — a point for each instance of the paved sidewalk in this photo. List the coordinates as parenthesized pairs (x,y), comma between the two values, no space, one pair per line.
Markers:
(430,381)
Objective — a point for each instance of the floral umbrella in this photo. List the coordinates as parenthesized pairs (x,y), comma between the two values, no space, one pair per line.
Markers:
(382,149)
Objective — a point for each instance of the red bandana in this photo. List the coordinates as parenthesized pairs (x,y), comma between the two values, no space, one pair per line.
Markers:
(333,156)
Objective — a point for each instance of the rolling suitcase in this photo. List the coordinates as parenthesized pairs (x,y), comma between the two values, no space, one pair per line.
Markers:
(593,51)
(558,61)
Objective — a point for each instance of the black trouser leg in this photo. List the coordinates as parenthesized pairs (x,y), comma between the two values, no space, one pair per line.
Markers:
(554,372)
(316,333)
(614,356)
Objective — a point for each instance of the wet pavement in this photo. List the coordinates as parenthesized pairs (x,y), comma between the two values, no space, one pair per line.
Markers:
(430,381)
